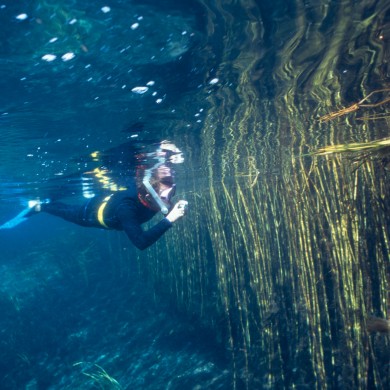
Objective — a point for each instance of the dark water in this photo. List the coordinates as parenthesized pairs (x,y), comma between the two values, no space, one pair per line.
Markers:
(270,281)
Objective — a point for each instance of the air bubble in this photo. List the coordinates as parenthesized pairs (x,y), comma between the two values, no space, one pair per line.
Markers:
(22,17)
(68,56)
(49,57)
(140,90)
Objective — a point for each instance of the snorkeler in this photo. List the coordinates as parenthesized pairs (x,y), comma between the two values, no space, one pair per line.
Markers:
(128,208)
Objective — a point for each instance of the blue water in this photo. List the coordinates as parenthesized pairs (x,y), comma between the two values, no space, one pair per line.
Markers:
(65,314)
(56,110)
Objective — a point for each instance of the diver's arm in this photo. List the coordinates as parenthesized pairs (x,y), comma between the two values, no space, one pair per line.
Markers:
(142,239)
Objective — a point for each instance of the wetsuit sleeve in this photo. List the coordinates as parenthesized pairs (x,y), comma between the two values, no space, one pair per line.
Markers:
(140,238)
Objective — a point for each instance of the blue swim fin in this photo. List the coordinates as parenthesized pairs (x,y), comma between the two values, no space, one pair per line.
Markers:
(23,215)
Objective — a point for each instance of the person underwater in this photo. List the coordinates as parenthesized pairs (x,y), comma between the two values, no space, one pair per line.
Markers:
(127,208)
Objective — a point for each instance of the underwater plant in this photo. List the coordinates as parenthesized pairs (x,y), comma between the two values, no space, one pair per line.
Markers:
(99,376)
(356,106)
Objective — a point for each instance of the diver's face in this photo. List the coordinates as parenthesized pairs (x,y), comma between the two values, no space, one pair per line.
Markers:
(166,193)
(163,171)
(166,185)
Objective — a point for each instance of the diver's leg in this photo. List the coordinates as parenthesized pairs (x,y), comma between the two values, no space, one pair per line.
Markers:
(73,213)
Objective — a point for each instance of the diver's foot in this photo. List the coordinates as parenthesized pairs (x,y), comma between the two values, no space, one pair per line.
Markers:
(36,204)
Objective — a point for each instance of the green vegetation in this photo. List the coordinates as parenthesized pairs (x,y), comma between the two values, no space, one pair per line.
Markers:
(287,257)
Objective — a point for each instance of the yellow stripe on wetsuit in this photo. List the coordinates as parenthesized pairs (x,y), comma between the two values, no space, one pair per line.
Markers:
(100,213)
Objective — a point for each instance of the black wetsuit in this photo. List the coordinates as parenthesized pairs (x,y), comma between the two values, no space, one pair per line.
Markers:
(123,211)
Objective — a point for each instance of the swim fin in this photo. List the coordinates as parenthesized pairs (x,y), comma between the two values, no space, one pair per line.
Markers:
(33,205)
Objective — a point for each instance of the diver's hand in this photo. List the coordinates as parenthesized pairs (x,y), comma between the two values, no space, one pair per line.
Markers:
(178,211)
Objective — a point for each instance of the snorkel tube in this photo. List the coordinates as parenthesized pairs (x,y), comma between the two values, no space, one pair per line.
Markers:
(151,190)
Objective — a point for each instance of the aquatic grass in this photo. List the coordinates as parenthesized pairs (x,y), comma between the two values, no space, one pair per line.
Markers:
(99,376)
(286,257)
(356,106)
(356,147)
